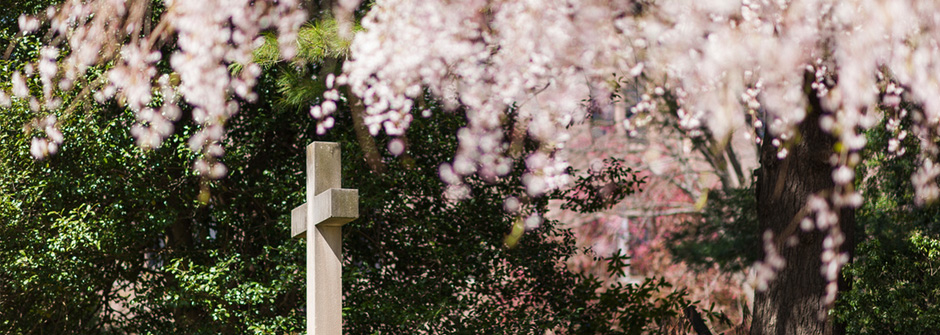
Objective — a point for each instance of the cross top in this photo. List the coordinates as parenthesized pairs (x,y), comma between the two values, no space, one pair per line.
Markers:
(320,221)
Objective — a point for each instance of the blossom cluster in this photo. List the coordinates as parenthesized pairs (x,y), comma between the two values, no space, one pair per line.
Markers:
(723,61)
(210,37)
(523,69)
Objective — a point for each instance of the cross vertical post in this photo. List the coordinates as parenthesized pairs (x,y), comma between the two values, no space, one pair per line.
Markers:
(320,220)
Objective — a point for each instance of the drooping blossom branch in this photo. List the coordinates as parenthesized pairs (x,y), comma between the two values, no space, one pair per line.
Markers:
(719,66)
(209,36)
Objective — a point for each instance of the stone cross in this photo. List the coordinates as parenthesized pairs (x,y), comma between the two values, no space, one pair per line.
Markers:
(320,221)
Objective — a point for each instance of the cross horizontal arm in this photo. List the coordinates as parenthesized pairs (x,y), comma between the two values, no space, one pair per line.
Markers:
(333,207)
(298,222)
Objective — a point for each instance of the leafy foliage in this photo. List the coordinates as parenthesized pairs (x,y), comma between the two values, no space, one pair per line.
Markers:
(104,237)
(894,276)
(603,188)
(726,235)
(419,262)
(318,41)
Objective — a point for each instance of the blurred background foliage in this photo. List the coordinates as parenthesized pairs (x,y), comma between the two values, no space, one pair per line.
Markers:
(726,235)
(895,272)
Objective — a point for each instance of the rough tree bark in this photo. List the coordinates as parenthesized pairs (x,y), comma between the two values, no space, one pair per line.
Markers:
(793,302)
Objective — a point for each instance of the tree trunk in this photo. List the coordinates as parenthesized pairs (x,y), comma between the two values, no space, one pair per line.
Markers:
(793,302)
